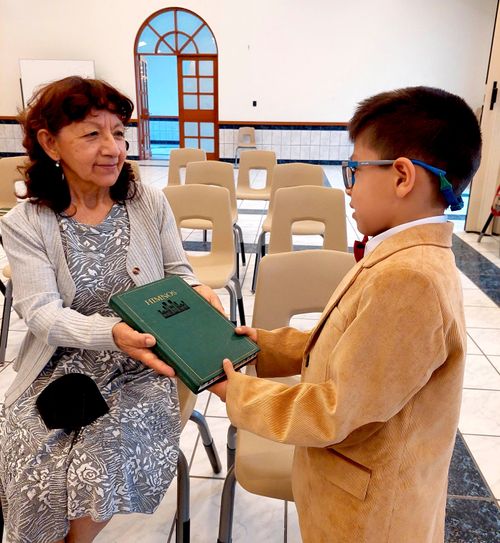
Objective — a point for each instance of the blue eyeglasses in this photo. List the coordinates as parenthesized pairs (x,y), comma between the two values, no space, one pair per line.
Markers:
(349,168)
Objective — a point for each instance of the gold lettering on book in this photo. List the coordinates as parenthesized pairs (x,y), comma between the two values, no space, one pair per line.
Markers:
(160,297)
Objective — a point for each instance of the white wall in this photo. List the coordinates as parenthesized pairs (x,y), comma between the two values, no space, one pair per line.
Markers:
(301,60)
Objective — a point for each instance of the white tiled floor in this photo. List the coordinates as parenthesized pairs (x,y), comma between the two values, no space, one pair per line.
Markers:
(264,519)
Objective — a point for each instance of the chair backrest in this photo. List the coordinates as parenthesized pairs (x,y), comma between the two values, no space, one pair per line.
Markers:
(295,174)
(295,283)
(179,158)
(210,203)
(136,169)
(9,174)
(246,135)
(256,160)
(321,204)
(213,172)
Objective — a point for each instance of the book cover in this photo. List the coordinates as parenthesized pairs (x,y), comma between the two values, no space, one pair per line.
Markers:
(191,335)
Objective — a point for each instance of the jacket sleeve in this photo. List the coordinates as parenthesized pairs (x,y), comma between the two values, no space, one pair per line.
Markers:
(280,352)
(374,369)
(37,297)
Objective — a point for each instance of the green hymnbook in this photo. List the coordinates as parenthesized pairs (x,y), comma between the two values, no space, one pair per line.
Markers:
(191,335)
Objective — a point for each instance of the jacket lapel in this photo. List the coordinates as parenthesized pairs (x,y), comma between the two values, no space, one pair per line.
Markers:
(428,234)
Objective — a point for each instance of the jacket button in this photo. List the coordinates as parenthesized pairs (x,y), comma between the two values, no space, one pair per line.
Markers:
(136,270)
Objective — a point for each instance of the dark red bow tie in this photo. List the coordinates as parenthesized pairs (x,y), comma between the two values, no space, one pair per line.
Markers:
(359,248)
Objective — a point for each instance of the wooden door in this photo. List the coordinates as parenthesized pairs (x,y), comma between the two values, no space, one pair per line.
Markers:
(144,133)
(198,103)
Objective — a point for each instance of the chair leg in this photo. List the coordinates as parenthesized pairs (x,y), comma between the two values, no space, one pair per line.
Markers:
(207,439)
(227,508)
(239,299)
(237,227)
(232,303)
(259,253)
(182,522)
(485,227)
(231,446)
(4,330)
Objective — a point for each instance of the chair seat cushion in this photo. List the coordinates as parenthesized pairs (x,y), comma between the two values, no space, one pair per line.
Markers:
(253,194)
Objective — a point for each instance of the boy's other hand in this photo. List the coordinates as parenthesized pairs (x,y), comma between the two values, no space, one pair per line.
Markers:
(219,389)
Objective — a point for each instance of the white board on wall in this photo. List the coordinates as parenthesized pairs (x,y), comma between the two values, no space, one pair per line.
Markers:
(35,73)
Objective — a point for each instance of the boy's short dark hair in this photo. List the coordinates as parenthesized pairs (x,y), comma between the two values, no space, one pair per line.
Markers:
(422,123)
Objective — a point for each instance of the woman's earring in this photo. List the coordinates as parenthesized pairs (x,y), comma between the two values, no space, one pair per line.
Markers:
(58,163)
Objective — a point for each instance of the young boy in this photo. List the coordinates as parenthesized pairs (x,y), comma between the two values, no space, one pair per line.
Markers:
(375,415)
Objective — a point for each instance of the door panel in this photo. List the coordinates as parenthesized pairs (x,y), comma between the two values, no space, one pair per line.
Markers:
(144,134)
(198,103)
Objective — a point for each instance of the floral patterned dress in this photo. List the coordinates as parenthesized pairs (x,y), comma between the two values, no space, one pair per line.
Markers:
(121,463)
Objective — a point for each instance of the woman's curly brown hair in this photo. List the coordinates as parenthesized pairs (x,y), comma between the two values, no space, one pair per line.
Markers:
(53,107)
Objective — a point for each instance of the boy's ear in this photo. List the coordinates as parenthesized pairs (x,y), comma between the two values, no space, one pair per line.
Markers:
(48,143)
(405,176)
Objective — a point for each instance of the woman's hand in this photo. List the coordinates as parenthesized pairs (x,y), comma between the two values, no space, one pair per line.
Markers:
(210,297)
(137,346)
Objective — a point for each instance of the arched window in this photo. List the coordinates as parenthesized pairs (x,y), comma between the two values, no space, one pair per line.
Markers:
(176,32)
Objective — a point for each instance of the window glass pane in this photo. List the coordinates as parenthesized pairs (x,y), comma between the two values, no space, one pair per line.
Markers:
(164,48)
(189,84)
(181,40)
(189,67)
(191,101)
(190,48)
(206,84)
(147,41)
(207,145)
(191,143)
(163,23)
(205,41)
(206,67)
(207,129)
(206,101)
(190,129)
(170,39)
(188,22)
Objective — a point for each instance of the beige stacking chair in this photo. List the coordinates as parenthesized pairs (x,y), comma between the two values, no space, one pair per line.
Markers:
(255,160)
(216,269)
(179,158)
(246,141)
(213,172)
(310,204)
(9,175)
(136,169)
(290,175)
(262,466)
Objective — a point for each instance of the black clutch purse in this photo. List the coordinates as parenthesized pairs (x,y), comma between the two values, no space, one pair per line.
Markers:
(71,402)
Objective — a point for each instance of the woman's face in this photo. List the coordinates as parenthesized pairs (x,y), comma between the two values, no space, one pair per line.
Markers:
(92,151)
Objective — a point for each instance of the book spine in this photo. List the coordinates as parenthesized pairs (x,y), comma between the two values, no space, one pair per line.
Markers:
(168,358)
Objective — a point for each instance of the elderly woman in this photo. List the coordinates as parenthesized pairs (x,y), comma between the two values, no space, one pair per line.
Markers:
(85,231)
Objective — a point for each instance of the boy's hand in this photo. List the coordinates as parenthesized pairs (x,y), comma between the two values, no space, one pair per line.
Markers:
(137,346)
(219,389)
(247,331)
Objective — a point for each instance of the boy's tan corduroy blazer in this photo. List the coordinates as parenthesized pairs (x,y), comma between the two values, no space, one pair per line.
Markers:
(375,416)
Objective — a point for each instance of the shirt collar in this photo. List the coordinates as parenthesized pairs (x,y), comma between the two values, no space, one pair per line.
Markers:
(376,240)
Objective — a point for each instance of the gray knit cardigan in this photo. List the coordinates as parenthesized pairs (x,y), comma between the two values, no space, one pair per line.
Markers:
(43,287)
